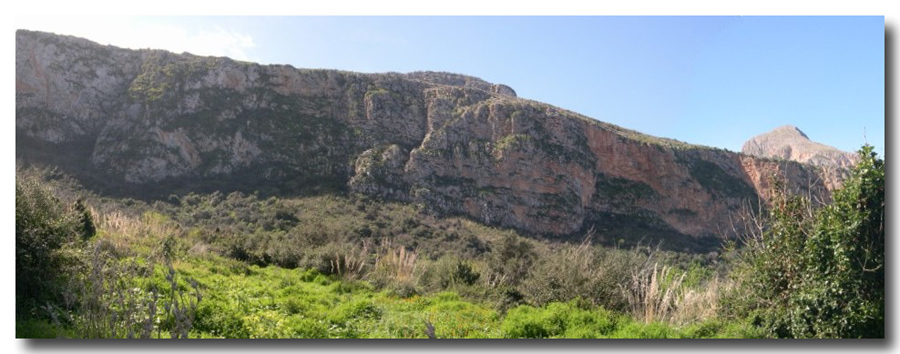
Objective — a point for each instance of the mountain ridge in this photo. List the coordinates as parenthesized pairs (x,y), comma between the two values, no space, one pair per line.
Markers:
(141,121)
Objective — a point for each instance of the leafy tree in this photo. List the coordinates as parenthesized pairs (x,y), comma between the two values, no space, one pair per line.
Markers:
(88,229)
(820,272)
(43,226)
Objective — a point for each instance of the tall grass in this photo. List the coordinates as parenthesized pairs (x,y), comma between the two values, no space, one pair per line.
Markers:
(699,305)
(347,264)
(395,263)
(654,293)
(395,266)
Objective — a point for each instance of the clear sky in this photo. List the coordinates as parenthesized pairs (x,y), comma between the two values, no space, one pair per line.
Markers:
(714,81)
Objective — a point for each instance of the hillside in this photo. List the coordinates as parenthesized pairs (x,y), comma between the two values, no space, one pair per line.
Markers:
(147,124)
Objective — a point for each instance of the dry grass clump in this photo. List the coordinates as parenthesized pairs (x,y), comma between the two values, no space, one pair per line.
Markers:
(659,294)
(698,305)
(349,264)
(654,293)
(395,263)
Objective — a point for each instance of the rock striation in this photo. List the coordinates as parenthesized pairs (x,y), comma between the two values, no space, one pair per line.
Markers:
(136,121)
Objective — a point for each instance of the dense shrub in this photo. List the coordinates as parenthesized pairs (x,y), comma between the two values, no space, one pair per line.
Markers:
(820,272)
(510,260)
(43,226)
(449,272)
(591,273)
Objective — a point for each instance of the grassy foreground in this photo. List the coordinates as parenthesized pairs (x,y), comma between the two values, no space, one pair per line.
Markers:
(248,301)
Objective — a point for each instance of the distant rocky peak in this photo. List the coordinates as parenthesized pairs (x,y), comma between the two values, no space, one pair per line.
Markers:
(790,143)
(791,130)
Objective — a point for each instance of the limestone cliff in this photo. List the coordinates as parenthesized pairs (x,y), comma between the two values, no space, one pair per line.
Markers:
(138,121)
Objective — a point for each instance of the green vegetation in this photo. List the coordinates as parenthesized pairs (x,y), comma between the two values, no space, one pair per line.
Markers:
(511,141)
(718,182)
(819,273)
(43,226)
(164,75)
(622,191)
(345,266)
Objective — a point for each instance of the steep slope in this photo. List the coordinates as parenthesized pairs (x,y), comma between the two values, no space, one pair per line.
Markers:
(151,123)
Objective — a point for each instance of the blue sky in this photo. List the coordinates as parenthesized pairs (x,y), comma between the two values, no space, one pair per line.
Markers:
(714,81)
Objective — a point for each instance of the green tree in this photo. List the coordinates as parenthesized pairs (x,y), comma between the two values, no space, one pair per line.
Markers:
(88,229)
(43,226)
(820,272)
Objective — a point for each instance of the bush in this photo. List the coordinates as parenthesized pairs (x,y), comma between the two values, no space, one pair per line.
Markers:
(87,227)
(448,272)
(583,271)
(820,272)
(653,330)
(511,260)
(590,273)
(43,226)
(526,322)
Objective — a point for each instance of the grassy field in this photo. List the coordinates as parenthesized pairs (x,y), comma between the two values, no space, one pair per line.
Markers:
(248,301)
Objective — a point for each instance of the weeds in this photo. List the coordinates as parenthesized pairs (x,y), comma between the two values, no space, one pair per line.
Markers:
(347,264)
(118,299)
(700,305)
(397,267)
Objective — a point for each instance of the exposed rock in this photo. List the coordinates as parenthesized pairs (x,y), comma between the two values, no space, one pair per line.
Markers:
(451,143)
(789,143)
(450,79)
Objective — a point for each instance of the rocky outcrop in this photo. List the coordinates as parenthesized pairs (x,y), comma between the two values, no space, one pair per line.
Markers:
(789,143)
(455,145)
(458,80)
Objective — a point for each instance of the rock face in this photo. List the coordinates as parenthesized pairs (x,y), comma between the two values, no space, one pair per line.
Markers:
(138,121)
(789,143)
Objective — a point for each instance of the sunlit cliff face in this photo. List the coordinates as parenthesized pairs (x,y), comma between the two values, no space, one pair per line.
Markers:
(450,143)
